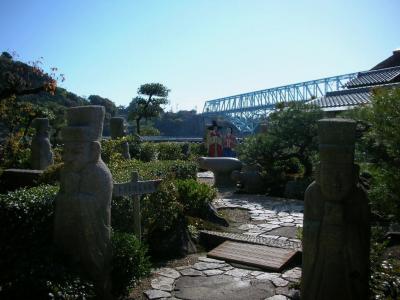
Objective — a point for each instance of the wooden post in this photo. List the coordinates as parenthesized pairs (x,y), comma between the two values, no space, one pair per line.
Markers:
(136,188)
(137,215)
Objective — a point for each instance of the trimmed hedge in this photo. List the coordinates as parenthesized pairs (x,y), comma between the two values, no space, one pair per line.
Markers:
(121,169)
(29,265)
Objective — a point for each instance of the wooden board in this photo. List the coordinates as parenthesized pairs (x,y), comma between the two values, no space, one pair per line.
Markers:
(264,257)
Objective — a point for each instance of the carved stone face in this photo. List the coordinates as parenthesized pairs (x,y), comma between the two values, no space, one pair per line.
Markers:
(77,154)
(336,180)
(43,131)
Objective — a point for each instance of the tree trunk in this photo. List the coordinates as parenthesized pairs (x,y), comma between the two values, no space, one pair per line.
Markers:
(138,126)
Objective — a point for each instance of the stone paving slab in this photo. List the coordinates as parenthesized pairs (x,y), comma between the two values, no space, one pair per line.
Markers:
(223,282)
(273,223)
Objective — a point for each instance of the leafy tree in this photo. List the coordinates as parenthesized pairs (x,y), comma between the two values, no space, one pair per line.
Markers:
(296,128)
(147,105)
(181,123)
(17,78)
(287,149)
(378,149)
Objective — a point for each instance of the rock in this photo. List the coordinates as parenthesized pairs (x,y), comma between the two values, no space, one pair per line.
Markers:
(207,266)
(156,294)
(172,243)
(267,276)
(292,274)
(212,215)
(227,268)
(213,272)
(237,272)
(256,273)
(277,297)
(268,227)
(221,287)
(279,281)
(168,272)
(191,272)
(247,226)
(210,260)
(163,283)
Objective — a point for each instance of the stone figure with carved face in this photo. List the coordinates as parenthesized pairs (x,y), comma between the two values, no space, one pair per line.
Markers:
(118,131)
(83,204)
(336,228)
(41,154)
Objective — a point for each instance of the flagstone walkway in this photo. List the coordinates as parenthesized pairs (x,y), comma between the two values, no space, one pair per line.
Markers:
(270,219)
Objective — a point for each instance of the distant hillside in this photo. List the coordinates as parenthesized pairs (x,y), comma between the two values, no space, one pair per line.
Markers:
(29,84)
(183,123)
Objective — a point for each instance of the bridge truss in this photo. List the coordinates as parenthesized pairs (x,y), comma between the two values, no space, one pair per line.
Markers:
(246,110)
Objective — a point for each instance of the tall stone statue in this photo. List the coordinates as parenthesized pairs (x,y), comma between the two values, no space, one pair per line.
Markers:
(83,204)
(41,155)
(336,231)
(117,131)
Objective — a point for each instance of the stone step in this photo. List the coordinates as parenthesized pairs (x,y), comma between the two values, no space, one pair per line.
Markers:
(214,238)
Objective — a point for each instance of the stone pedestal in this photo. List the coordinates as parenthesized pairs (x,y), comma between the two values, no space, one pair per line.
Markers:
(336,229)
(41,155)
(222,167)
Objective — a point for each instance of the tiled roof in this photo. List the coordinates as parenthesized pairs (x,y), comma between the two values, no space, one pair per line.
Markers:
(375,77)
(341,100)
(347,99)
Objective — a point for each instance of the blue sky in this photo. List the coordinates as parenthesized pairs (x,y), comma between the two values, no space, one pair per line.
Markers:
(202,49)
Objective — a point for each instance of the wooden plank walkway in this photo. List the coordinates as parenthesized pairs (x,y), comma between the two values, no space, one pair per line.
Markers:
(219,237)
(264,257)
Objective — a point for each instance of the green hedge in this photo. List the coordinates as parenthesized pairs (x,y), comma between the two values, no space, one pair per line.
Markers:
(121,169)
(30,267)
(194,196)
(148,151)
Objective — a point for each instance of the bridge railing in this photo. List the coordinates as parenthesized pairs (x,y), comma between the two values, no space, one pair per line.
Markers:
(268,98)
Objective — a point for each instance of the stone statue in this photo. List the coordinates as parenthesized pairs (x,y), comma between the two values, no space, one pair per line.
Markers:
(336,233)
(83,204)
(41,155)
(118,131)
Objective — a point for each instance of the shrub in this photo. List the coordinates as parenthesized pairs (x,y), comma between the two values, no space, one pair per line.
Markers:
(112,146)
(195,196)
(29,266)
(130,262)
(161,210)
(52,174)
(148,152)
(267,150)
(121,169)
(287,150)
(378,149)
(197,150)
(170,151)
(15,152)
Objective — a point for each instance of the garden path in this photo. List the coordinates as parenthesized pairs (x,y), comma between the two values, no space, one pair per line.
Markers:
(270,219)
